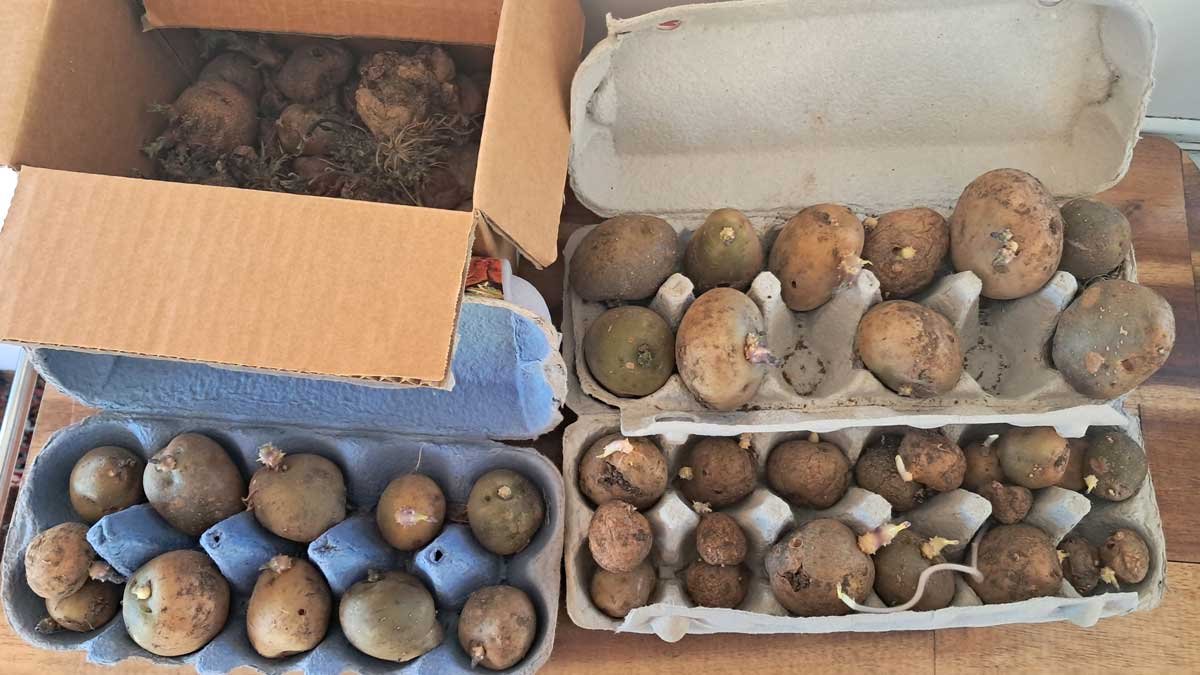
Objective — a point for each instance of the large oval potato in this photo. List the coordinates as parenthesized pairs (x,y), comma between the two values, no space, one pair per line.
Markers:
(624,258)
(1113,337)
(289,608)
(175,603)
(193,484)
(905,249)
(815,252)
(716,349)
(1008,231)
(912,349)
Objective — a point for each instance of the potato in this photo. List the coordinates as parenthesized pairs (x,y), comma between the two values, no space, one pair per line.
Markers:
(718,472)
(806,567)
(505,510)
(1073,475)
(816,252)
(175,603)
(898,567)
(236,69)
(214,114)
(390,616)
(932,460)
(302,130)
(616,593)
(289,609)
(808,474)
(1018,562)
(624,258)
(297,496)
(983,465)
(1033,457)
(906,248)
(1007,229)
(1010,503)
(314,70)
(912,349)
(397,90)
(105,480)
(1113,337)
(719,349)
(724,252)
(619,537)
(497,627)
(410,512)
(57,561)
(876,471)
(1096,238)
(1115,463)
(1127,555)
(630,351)
(1081,563)
(720,540)
(85,610)
(193,484)
(716,586)
(632,470)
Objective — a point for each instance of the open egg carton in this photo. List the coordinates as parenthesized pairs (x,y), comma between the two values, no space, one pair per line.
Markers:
(452,566)
(765,517)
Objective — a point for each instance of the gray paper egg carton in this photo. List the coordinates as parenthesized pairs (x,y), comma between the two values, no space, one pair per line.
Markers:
(765,517)
(452,566)
(822,384)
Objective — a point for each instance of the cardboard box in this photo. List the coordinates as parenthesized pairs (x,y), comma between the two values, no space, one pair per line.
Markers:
(93,260)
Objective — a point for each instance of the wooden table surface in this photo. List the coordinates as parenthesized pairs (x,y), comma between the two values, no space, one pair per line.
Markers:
(1164,640)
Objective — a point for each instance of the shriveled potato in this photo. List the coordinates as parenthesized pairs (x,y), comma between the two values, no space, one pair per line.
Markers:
(1127,555)
(624,258)
(57,561)
(1007,229)
(289,609)
(633,470)
(175,603)
(806,567)
(619,537)
(724,251)
(912,349)
(1081,563)
(720,540)
(1113,337)
(193,484)
(1096,240)
(1010,503)
(808,473)
(816,252)
(719,349)
(616,593)
(715,585)
(1018,562)
(905,249)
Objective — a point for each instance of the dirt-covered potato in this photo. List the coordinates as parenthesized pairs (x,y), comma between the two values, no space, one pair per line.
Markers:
(398,90)
(720,540)
(932,460)
(176,603)
(619,537)
(616,593)
(906,248)
(497,627)
(876,471)
(811,474)
(630,350)
(1127,555)
(633,470)
(1114,466)
(1007,229)
(314,70)
(1081,563)
(816,252)
(720,349)
(57,561)
(193,484)
(715,585)
(105,480)
(390,616)
(411,511)
(236,69)
(1096,238)
(724,251)
(297,496)
(1018,562)
(505,510)
(898,567)
(806,567)
(624,258)
(983,465)
(289,608)
(718,472)
(1113,337)
(83,611)
(214,114)
(913,350)
(1010,503)
(1033,457)
(1073,476)
(303,129)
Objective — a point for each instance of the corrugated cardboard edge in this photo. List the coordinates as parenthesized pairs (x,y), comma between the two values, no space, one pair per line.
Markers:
(21,45)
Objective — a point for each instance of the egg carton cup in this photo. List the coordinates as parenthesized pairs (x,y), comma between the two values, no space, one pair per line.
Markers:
(452,566)
(765,517)
(823,386)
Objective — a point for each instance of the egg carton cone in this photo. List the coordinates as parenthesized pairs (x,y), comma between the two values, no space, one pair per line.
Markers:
(765,517)
(451,566)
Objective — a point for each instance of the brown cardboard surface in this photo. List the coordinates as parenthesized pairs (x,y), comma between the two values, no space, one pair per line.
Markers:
(23,22)
(234,277)
(460,21)
(526,131)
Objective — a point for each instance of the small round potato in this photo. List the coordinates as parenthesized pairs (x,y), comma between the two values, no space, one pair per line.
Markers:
(624,258)
(715,585)
(724,252)
(616,593)
(619,537)
(1033,457)
(1096,239)
(1018,562)
(806,567)
(1010,503)
(411,511)
(193,484)
(906,248)
(808,474)
(1081,563)
(630,350)
(390,616)
(497,627)
(175,603)
(932,460)
(632,470)
(718,472)
(898,567)
(57,561)
(505,510)
(720,540)
(1115,462)
(876,471)
(983,465)
(289,609)
(314,70)
(912,349)
(816,252)
(297,496)
(1127,555)
(719,349)
(87,609)
(104,481)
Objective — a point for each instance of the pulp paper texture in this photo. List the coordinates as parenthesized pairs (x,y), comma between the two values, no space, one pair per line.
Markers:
(765,518)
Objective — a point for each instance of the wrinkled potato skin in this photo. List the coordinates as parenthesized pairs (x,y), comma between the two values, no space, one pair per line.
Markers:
(1127,554)
(1033,457)
(722,473)
(57,561)
(1018,562)
(805,567)
(815,252)
(1113,337)
(505,525)
(390,616)
(983,465)
(724,251)
(638,476)
(302,499)
(314,70)
(624,258)
(497,626)
(710,349)
(810,475)
(1082,564)
(933,460)
(193,484)
(1010,503)
(720,540)
(921,234)
(1096,238)
(215,114)
(104,481)
(630,350)
(618,593)
(716,586)
(88,608)
(912,349)
(1117,462)
(1012,200)
(1076,455)
(619,537)
(187,607)
(899,565)
(411,511)
(289,610)
(876,471)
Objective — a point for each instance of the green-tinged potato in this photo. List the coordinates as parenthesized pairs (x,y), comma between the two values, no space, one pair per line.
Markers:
(297,496)
(632,470)
(619,537)
(932,460)
(983,465)
(630,351)
(216,115)
(716,586)
(104,481)
(85,610)
(718,472)
(1081,563)
(720,540)
(175,603)
(724,251)
(720,349)
(505,510)
(1127,555)
(898,567)
(193,484)
(411,511)
(1033,457)
(236,69)
(624,258)
(1007,229)
(876,471)
(390,616)
(808,474)
(497,627)
(314,70)
(906,248)
(1115,463)
(616,593)
(816,252)
(806,567)
(57,561)
(1018,562)
(913,350)
(1076,454)
(289,609)
(1096,238)
(1113,337)
(1010,503)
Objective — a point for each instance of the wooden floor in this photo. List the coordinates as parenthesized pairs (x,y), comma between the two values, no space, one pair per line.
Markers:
(1166,640)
